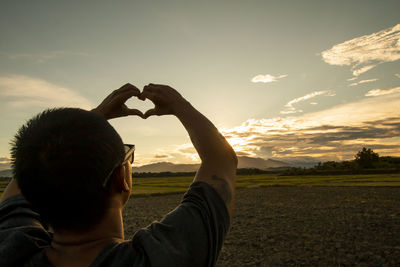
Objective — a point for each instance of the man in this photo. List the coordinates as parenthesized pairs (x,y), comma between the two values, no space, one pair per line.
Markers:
(75,178)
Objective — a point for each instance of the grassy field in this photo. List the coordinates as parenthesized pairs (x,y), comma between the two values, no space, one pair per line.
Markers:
(170,185)
(145,186)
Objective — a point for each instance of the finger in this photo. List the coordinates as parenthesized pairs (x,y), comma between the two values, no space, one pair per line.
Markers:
(152,87)
(135,91)
(135,112)
(150,112)
(156,85)
(150,92)
(125,88)
(122,97)
(129,87)
(147,94)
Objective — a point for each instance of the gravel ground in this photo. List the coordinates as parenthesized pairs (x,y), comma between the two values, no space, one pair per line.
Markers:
(299,226)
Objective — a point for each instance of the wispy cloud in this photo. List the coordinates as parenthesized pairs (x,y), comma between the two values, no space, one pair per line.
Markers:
(379,92)
(45,56)
(23,92)
(158,156)
(363,81)
(267,78)
(289,108)
(365,52)
(361,70)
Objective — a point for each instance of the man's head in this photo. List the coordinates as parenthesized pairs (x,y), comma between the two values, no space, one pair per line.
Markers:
(60,160)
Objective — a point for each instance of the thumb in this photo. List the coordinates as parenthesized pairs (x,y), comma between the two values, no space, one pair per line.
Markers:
(150,112)
(135,112)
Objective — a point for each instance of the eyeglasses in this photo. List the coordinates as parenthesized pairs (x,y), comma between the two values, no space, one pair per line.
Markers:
(129,156)
(129,153)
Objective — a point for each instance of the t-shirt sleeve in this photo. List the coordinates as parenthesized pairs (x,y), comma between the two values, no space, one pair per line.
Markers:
(190,235)
(22,232)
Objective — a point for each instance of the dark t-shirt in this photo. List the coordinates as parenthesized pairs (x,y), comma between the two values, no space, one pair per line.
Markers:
(190,235)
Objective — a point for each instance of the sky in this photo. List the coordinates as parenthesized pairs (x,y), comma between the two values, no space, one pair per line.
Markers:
(288,80)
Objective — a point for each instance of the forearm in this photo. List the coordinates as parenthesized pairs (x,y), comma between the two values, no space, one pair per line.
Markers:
(211,146)
(219,161)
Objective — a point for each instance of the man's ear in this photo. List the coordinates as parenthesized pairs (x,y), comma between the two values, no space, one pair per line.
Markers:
(120,183)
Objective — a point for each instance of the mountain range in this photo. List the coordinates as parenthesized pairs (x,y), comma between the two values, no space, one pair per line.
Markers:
(243,162)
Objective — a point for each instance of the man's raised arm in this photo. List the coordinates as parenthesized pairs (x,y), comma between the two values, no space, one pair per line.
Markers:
(112,107)
(218,160)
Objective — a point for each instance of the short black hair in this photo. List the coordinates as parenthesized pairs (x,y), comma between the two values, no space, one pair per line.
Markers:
(60,159)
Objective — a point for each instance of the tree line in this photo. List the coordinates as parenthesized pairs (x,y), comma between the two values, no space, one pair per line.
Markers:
(366,161)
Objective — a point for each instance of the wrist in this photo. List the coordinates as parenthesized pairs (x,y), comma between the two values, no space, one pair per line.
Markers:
(182,107)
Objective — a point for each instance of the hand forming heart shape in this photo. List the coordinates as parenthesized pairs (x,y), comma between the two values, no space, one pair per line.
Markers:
(163,97)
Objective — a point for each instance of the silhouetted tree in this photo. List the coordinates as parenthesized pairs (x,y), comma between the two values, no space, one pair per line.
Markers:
(366,158)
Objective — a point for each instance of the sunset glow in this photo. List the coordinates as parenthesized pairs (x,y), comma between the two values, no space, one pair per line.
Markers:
(279,81)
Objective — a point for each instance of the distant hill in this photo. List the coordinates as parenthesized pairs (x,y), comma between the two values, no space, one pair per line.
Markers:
(259,163)
(243,162)
(166,167)
(307,162)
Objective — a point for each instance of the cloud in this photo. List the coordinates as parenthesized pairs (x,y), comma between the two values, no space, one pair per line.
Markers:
(313,103)
(23,92)
(397,75)
(363,81)
(43,57)
(157,156)
(267,78)
(187,151)
(4,160)
(5,163)
(357,72)
(183,153)
(368,81)
(291,109)
(379,92)
(365,52)
(336,133)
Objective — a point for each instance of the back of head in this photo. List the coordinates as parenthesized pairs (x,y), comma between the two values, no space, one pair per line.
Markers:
(60,160)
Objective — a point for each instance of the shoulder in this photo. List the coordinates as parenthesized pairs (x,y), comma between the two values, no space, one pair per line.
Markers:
(192,234)
(22,233)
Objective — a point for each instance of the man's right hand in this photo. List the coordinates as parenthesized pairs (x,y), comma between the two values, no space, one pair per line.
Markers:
(166,99)
(113,106)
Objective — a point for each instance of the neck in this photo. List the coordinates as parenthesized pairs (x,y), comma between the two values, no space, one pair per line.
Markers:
(83,246)
(111,226)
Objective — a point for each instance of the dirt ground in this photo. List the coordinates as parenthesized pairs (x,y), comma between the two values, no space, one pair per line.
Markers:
(299,226)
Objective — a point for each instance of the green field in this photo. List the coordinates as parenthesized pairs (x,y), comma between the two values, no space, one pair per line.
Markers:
(170,185)
(145,186)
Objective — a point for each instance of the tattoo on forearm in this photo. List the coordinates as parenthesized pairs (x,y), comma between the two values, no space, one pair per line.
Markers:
(222,187)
